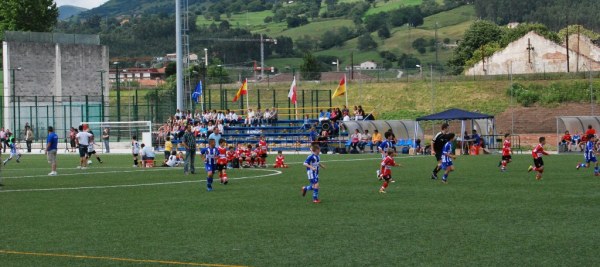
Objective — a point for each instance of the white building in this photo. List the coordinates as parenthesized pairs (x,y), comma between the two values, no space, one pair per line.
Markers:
(368,65)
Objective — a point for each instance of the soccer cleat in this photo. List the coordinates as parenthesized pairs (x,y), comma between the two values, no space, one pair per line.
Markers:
(434,176)
(392,180)
(209,189)
(303,191)
(503,169)
(84,168)
(382,191)
(444,181)
(79,167)
(578,165)
(530,168)
(52,174)
(135,166)
(317,201)
(18,161)
(378,173)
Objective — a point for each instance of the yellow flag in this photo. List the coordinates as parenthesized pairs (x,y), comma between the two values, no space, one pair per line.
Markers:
(341,89)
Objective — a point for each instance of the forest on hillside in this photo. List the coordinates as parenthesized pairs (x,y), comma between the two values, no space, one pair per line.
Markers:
(555,14)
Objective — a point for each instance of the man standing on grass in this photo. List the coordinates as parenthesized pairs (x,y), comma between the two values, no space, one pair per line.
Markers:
(437,145)
(189,142)
(51,149)
(83,140)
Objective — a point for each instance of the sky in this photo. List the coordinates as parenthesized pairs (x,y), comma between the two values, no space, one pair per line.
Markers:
(89,4)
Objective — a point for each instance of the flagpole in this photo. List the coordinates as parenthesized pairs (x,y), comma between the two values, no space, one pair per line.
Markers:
(247,94)
(346,93)
(296,102)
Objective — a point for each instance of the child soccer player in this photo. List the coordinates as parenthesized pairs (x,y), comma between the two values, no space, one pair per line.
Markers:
(222,162)
(232,159)
(447,157)
(386,145)
(538,162)
(251,156)
(92,151)
(262,157)
(135,150)
(386,169)
(280,160)
(313,164)
(13,150)
(506,153)
(209,155)
(590,155)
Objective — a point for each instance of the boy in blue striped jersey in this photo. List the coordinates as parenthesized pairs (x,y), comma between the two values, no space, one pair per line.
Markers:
(313,164)
(210,155)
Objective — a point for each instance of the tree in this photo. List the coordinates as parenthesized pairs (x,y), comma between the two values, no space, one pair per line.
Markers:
(285,46)
(479,33)
(366,42)
(36,16)
(384,32)
(310,68)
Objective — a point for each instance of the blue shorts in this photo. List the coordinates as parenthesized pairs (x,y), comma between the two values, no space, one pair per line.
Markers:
(591,159)
(445,165)
(210,167)
(312,177)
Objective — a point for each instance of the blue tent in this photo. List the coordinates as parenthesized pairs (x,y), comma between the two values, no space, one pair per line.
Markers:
(455,114)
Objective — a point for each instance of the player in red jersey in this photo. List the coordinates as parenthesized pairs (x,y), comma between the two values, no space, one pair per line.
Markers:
(506,153)
(232,158)
(538,162)
(262,157)
(250,156)
(222,162)
(280,160)
(386,169)
(241,155)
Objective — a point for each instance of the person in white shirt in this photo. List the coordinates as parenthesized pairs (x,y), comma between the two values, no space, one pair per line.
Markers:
(249,118)
(267,116)
(135,150)
(147,154)
(83,140)
(234,118)
(171,161)
(365,139)
(346,118)
(178,113)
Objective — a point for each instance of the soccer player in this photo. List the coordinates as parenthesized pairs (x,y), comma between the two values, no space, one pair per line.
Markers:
(437,145)
(538,161)
(13,150)
(51,149)
(386,169)
(231,158)
(222,162)
(263,151)
(506,153)
(383,148)
(135,150)
(590,155)
(92,151)
(280,160)
(447,157)
(209,155)
(313,164)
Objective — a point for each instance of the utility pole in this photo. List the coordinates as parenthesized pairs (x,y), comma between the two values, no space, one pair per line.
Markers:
(436,45)
(568,61)
(179,54)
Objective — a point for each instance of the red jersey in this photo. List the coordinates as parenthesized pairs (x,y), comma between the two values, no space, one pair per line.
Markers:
(231,155)
(222,159)
(386,166)
(538,151)
(506,148)
(279,159)
(263,146)
(241,152)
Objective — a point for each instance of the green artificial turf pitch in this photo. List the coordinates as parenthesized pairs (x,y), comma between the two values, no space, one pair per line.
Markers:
(482,217)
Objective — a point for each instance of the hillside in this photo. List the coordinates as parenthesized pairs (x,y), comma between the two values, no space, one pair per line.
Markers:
(65,12)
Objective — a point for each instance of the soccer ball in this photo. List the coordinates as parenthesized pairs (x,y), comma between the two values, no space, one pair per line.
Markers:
(90,161)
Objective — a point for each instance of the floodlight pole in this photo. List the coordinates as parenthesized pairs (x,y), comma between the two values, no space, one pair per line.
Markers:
(14,98)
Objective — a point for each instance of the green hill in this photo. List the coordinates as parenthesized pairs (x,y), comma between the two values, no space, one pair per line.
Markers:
(65,12)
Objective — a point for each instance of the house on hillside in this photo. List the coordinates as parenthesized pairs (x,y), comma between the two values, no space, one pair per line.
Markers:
(533,53)
(368,65)
(584,46)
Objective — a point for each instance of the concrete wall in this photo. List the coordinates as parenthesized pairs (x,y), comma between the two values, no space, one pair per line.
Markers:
(546,57)
(55,77)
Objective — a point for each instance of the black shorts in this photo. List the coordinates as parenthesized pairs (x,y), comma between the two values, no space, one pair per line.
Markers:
(221,167)
(438,156)
(507,158)
(91,153)
(135,155)
(387,177)
(539,162)
(83,150)
(263,155)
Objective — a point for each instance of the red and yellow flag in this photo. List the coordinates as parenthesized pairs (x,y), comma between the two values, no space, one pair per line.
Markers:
(341,89)
(242,91)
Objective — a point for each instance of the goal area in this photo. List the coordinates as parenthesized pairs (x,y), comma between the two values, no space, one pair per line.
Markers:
(122,131)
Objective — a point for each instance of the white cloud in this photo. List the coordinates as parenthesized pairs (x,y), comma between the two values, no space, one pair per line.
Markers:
(81,3)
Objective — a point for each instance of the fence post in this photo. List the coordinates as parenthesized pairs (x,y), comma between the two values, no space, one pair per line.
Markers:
(303,111)
(274,98)
(317,97)
(53,110)
(289,108)
(64,120)
(70,111)
(258,97)
(36,115)
(330,100)
(209,99)
(19,111)
(225,98)
(87,108)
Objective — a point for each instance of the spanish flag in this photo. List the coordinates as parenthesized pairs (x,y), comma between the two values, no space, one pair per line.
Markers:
(341,89)
(242,91)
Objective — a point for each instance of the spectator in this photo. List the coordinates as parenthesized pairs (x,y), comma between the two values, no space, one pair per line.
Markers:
(274,115)
(168,147)
(477,141)
(354,141)
(147,154)
(178,113)
(355,113)
(346,118)
(3,138)
(360,114)
(51,149)
(220,116)
(345,111)
(106,138)
(28,137)
(590,130)
(215,135)
(72,138)
(365,139)
(267,117)
(258,117)
(566,141)
(576,139)
(203,131)
(376,139)
(313,135)
(333,116)
(249,118)
(323,115)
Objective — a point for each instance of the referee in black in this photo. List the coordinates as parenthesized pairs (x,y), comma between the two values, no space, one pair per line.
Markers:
(438,142)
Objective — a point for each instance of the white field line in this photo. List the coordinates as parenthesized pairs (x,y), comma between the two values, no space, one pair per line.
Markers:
(274,172)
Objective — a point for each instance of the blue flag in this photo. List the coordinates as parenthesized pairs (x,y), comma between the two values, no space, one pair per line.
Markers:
(197,92)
